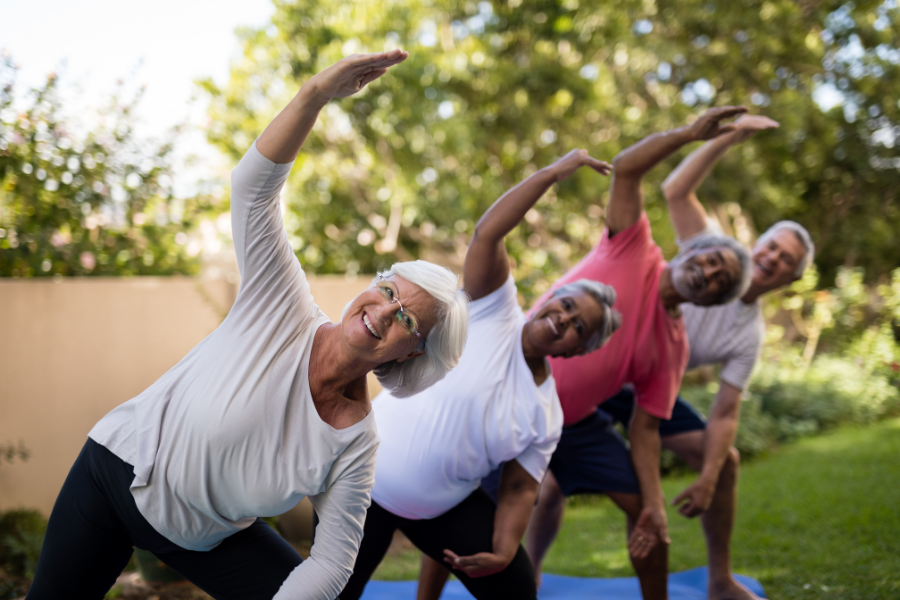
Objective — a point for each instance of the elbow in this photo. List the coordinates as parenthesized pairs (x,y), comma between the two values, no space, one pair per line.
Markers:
(672,191)
(620,163)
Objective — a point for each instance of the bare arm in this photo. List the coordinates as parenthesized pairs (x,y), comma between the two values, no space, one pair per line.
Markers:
(282,139)
(652,526)
(626,199)
(487,263)
(721,431)
(680,187)
(518,491)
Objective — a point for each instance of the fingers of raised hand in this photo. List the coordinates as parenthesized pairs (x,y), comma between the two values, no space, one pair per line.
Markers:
(379,60)
(725,112)
(604,168)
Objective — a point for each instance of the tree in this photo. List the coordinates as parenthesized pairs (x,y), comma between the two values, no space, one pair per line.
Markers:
(101,203)
(493,91)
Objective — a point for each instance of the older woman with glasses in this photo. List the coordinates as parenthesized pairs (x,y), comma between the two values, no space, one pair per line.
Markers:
(497,407)
(271,407)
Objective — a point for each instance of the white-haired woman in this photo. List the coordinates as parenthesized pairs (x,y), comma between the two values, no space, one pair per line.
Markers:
(497,407)
(271,407)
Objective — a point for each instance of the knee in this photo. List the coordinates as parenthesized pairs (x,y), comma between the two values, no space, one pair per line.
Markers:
(733,460)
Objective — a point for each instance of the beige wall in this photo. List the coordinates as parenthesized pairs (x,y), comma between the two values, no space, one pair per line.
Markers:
(72,349)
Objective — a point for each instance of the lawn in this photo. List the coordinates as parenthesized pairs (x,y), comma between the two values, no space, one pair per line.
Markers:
(817,518)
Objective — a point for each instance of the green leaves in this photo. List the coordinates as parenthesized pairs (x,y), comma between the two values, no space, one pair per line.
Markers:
(493,91)
(97,203)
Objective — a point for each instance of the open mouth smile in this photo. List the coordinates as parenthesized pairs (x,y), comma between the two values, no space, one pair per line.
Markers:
(764,269)
(696,280)
(552,326)
(369,326)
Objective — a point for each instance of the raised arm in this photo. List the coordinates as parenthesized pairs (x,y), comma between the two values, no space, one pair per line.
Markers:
(680,187)
(487,263)
(626,199)
(282,139)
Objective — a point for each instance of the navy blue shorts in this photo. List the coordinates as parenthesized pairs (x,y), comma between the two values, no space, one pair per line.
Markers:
(592,458)
(684,417)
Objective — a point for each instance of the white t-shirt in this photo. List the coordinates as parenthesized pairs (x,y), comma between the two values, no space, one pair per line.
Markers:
(436,446)
(728,334)
(231,433)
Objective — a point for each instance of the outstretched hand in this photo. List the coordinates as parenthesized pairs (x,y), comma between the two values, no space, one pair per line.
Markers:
(651,529)
(709,125)
(695,499)
(477,565)
(351,74)
(576,159)
(747,125)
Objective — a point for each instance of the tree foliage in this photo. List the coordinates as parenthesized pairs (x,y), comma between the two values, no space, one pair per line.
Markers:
(101,203)
(492,91)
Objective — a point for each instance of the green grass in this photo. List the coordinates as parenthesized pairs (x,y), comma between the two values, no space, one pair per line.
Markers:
(817,518)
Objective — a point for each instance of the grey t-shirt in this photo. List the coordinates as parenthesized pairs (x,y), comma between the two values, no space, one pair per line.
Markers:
(231,433)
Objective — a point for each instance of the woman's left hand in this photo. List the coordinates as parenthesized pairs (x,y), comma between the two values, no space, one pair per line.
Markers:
(477,565)
(349,75)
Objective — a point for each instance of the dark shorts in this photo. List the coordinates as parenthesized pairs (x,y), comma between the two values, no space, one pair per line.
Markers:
(684,417)
(592,458)
(466,529)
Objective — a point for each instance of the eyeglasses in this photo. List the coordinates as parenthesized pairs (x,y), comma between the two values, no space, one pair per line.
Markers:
(406,321)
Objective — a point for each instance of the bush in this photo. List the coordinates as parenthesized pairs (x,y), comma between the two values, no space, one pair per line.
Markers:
(787,400)
(21,536)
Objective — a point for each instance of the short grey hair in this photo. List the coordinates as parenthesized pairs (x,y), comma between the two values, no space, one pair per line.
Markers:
(447,337)
(713,240)
(605,296)
(802,234)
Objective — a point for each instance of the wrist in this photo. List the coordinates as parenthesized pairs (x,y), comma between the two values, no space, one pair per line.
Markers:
(311,94)
(550,173)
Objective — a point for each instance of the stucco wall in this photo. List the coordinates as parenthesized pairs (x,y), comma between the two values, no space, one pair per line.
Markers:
(72,349)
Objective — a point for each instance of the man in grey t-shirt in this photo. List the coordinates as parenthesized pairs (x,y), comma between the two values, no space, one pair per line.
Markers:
(729,335)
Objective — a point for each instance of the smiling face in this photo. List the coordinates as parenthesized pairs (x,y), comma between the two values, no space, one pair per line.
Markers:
(775,261)
(563,325)
(371,325)
(701,276)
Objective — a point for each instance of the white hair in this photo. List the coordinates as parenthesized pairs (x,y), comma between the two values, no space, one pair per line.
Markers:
(605,296)
(713,240)
(447,337)
(802,234)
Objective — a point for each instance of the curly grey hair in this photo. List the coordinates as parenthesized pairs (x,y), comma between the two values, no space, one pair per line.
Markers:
(445,341)
(713,240)
(605,296)
(802,234)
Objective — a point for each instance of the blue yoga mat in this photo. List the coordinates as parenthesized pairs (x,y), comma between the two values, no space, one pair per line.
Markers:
(687,585)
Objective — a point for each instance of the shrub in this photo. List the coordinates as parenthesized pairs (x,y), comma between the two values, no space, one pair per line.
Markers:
(21,535)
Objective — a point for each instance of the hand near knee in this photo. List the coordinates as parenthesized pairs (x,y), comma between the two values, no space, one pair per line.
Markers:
(350,75)
(651,529)
(695,499)
(477,565)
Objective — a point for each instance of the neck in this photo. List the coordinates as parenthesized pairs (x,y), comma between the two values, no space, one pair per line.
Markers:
(667,292)
(529,351)
(753,293)
(336,369)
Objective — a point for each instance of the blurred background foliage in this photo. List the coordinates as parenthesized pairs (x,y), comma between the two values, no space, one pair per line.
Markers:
(95,200)
(494,90)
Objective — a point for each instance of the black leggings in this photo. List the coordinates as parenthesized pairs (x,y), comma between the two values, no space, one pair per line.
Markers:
(466,529)
(95,522)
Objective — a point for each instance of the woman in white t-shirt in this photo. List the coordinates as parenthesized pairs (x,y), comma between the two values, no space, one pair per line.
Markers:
(269,408)
(497,407)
